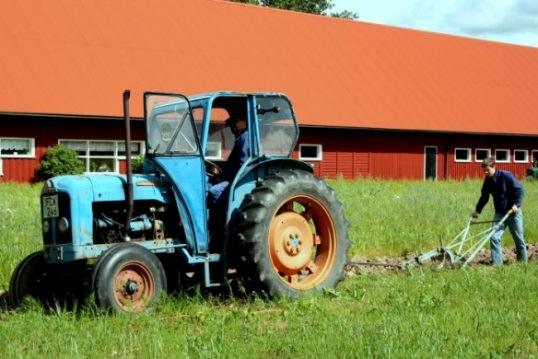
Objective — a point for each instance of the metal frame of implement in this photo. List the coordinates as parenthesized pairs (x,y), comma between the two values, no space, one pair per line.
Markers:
(463,248)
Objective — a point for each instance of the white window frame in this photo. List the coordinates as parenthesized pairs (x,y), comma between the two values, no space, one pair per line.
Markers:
(469,154)
(507,157)
(526,160)
(319,150)
(31,154)
(481,149)
(116,157)
(534,153)
(218,145)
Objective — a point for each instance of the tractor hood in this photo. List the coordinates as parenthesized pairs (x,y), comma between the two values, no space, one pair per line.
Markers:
(101,187)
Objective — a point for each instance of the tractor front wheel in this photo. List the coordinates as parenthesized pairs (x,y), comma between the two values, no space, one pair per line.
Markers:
(129,278)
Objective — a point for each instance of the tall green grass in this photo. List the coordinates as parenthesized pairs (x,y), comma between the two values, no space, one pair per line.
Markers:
(20,225)
(387,218)
(393,218)
(480,312)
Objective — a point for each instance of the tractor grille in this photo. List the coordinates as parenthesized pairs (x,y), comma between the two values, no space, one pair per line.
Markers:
(54,236)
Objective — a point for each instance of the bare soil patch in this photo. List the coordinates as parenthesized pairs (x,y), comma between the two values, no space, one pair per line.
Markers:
(363,265)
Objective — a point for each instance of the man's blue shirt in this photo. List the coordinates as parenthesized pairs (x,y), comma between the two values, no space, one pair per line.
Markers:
(238,156)
(505,189)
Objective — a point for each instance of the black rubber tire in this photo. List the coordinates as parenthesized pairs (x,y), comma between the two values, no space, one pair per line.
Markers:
(59,285)
(116,259)
(97,266)
(255,216)
(29,279)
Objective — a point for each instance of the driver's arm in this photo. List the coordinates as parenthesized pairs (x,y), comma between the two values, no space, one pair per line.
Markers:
(239,155)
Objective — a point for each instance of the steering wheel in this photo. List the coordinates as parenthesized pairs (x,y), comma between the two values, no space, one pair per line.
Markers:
(212,169)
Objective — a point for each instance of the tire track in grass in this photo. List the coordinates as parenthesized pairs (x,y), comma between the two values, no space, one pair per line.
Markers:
(362,265)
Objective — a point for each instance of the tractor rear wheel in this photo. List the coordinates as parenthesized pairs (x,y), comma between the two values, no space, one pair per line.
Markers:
(129,278)
(293,235)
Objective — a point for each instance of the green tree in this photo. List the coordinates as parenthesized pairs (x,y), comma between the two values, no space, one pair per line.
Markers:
(255,2)
(320,7)
(310,6)
(346,14)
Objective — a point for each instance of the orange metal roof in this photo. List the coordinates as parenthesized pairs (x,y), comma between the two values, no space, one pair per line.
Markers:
(76,57)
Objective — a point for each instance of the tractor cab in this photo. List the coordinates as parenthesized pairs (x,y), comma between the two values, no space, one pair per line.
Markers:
(188,140)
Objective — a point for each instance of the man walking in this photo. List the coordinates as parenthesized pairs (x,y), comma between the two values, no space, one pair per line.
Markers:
(507,195)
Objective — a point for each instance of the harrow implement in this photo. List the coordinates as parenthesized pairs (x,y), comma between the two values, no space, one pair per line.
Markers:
(462,249)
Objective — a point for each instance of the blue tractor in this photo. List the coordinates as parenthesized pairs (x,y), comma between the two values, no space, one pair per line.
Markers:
(131,238)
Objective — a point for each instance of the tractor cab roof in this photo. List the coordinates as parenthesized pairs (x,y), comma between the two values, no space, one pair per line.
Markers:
(232,103)
(214,94)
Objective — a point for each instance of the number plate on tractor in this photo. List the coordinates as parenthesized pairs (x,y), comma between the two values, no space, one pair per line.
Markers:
(50,207)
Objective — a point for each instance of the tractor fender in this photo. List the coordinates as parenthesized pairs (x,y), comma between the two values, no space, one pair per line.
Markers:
(250,173)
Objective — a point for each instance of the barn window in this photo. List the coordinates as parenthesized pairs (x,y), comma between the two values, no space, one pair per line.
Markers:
(502,155)
(462,154)
(310,152)
(213,150)
(534,156)
(11,147)
(481,154)
(521,156)
(220,139)
(102,156)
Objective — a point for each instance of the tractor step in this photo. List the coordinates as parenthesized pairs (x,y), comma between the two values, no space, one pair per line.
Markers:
(207,279)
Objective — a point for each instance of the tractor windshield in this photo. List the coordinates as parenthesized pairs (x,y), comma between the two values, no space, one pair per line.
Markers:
(278,129)
(169,125)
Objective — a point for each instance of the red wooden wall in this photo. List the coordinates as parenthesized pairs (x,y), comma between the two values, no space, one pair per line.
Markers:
(46,132)
(400,155)
(346,152)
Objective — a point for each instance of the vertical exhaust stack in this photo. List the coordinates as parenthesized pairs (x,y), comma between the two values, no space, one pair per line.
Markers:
(129,175)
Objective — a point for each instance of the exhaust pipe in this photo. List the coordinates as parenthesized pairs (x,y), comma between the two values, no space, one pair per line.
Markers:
(129,175)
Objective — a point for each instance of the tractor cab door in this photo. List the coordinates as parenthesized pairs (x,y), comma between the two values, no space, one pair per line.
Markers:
(277,126)
(173,146)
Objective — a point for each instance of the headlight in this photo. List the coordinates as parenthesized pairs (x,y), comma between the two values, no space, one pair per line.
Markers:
(46,226)
(63,225)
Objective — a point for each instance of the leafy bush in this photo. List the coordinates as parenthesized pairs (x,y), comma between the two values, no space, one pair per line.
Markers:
(137,164)
(59,160)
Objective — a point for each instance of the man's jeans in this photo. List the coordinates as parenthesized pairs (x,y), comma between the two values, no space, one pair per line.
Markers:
(515,223)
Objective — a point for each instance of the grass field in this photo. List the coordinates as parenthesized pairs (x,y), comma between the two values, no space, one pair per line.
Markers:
(479,312)
(392,218)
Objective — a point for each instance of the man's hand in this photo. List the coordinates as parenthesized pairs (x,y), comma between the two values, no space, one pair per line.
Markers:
(475,214)
(214,171)
(514,209)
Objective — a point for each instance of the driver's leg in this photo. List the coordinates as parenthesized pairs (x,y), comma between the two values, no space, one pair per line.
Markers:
(216,192)
(217,200)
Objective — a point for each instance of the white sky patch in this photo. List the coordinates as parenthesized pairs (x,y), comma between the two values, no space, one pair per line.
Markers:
(513,21)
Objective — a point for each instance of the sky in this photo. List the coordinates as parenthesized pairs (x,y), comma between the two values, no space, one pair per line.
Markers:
(511,21)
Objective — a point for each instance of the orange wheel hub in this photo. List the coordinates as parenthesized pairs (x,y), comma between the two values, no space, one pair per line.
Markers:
(133,286)
(302,242)
(292,242)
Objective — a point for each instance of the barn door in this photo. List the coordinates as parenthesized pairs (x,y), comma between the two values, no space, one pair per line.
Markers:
(430,162)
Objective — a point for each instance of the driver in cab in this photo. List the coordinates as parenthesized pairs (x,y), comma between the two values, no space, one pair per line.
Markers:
(218,192)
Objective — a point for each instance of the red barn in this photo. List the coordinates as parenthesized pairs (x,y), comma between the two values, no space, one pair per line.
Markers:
(371,100)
